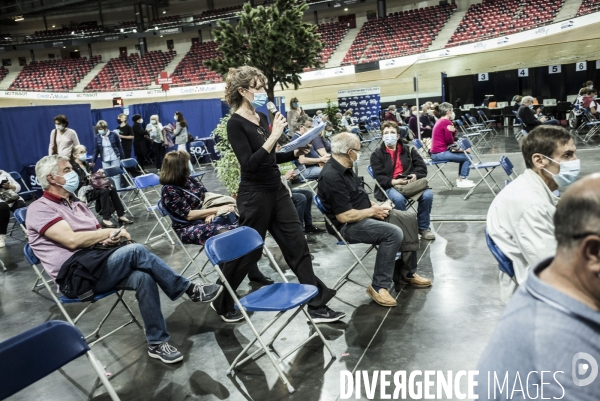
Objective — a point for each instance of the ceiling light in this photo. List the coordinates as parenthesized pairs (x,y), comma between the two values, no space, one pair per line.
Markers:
(76,50)
(18,18)
(121,29)
(164,11)
(135,31)
(346,9)
(53,26)
(72,32)
(156,28)
(161,36)
(64,47)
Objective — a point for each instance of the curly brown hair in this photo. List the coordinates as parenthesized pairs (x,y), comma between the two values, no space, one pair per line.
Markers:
(389,124)
(245,77)
(175,168)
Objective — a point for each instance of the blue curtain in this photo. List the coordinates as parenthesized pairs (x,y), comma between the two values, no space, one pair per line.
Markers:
(202,115)
(26,132)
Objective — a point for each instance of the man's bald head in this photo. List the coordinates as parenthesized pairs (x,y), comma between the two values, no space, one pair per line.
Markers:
(578,212)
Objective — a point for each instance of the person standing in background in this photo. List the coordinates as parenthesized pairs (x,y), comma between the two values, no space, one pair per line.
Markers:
(62,139)
(294,113)
(126,134)
(7,183)
(140,136)
(181,131)
(108,147)
(154,129)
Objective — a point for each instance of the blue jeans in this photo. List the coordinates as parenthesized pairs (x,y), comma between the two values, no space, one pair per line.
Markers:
(145,270)
(310,172)
(388,239)
(424,209)
(303,199)
(403,132)
(551,122)
(447,156)
(114,163)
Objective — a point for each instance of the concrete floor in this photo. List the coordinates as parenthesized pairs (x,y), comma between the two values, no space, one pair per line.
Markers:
(445,327)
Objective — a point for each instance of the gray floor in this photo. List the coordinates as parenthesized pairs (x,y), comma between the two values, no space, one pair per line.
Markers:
(443,328)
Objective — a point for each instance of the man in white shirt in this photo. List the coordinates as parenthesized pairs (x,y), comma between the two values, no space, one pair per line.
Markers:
(520,219)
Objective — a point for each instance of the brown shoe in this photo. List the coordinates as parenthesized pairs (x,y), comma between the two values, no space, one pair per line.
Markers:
(382,297)
(417,281)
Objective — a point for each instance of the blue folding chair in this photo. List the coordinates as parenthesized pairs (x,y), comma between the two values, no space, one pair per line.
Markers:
(130,190)
(508,168)
(164,212)
(504,263)
(489,124)
(25,192)
(279,297)
(478,166)
(199,150)
(62,300)
(470,132)
(150,181)
(345,277)
(439,165)
(131,164)
(37,352)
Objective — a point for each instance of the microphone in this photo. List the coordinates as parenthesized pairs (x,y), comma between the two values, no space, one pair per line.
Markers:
(271,107)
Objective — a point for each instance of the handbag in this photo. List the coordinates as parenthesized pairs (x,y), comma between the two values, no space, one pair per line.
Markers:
(190,138)
(54,144)
(412,188)
(98,180)
(8,195)
(454,148)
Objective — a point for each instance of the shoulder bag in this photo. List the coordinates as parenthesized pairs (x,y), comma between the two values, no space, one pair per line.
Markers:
(98,180)
(412,188)
(8,195)
(54,144)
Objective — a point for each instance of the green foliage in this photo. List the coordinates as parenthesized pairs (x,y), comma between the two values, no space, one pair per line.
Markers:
(331,112)
(227,167)
(273,39)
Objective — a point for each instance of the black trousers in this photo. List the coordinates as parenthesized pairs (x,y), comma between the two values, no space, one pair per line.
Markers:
(275,212)
(108,199)
(5,214)
(159,154)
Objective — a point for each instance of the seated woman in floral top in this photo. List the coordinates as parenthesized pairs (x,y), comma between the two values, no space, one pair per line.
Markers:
(183,196)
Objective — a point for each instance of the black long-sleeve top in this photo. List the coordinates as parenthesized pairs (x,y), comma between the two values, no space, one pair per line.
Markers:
(260,172)
(528,117)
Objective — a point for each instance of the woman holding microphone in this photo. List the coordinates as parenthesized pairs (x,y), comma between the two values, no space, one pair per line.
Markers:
(264,203)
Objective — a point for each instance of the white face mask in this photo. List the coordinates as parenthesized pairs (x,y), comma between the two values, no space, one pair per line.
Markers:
(591,87)
(154,122)
(141,120)
(453,116)
(415,113)
(390,139)
(568,173)
(58,127)
(328,133)
(357,157)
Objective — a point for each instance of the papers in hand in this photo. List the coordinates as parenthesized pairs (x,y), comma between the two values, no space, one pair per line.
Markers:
(303,140)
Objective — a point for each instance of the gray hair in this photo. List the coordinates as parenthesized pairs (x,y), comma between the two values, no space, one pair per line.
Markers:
(301,121)
(527,99)
(101,123)
(343,142)
(46,166)
(444,108)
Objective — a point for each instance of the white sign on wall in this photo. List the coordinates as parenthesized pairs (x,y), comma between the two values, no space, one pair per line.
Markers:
(598,64)
(554,69)
(581,66)
(484,76)
(523,72)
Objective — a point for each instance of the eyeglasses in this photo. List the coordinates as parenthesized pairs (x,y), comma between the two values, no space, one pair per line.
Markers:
(583,235)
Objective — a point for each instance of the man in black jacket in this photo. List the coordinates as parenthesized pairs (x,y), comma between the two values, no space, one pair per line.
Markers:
(528,116)
(395,163)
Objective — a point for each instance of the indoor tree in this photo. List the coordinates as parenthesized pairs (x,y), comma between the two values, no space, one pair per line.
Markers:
(273,39)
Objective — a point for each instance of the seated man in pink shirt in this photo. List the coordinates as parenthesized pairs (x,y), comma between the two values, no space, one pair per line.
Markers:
(441,138)
(63,232)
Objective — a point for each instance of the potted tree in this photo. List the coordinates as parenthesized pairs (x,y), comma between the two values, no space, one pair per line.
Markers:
(227,167)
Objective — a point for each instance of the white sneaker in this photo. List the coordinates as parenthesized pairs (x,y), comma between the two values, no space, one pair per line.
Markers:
(2,241)
(465,184)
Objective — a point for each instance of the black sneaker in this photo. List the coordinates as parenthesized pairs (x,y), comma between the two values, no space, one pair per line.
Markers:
(206,292)
(325,314)
(165,352)
(231,316)
(312,229)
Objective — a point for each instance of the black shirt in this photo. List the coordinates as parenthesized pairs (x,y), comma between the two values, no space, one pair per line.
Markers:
(260,172)
(340,190)
(126,131)
(528,117)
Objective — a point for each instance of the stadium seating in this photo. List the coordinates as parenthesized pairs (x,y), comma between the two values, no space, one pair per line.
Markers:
(332,34)
(191,71)
(166,22)
(64,33)
(588,7)
(494,18)
(398,34)
(217,13)
(54,75)
(3,73)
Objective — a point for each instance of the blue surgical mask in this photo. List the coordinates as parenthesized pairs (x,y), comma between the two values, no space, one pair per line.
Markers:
(328,133)
(531,106)
(259,100)
(71,182)
(295,105)
(390,139)
(568,173)
(357,157)
(100,132)
(82,157)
